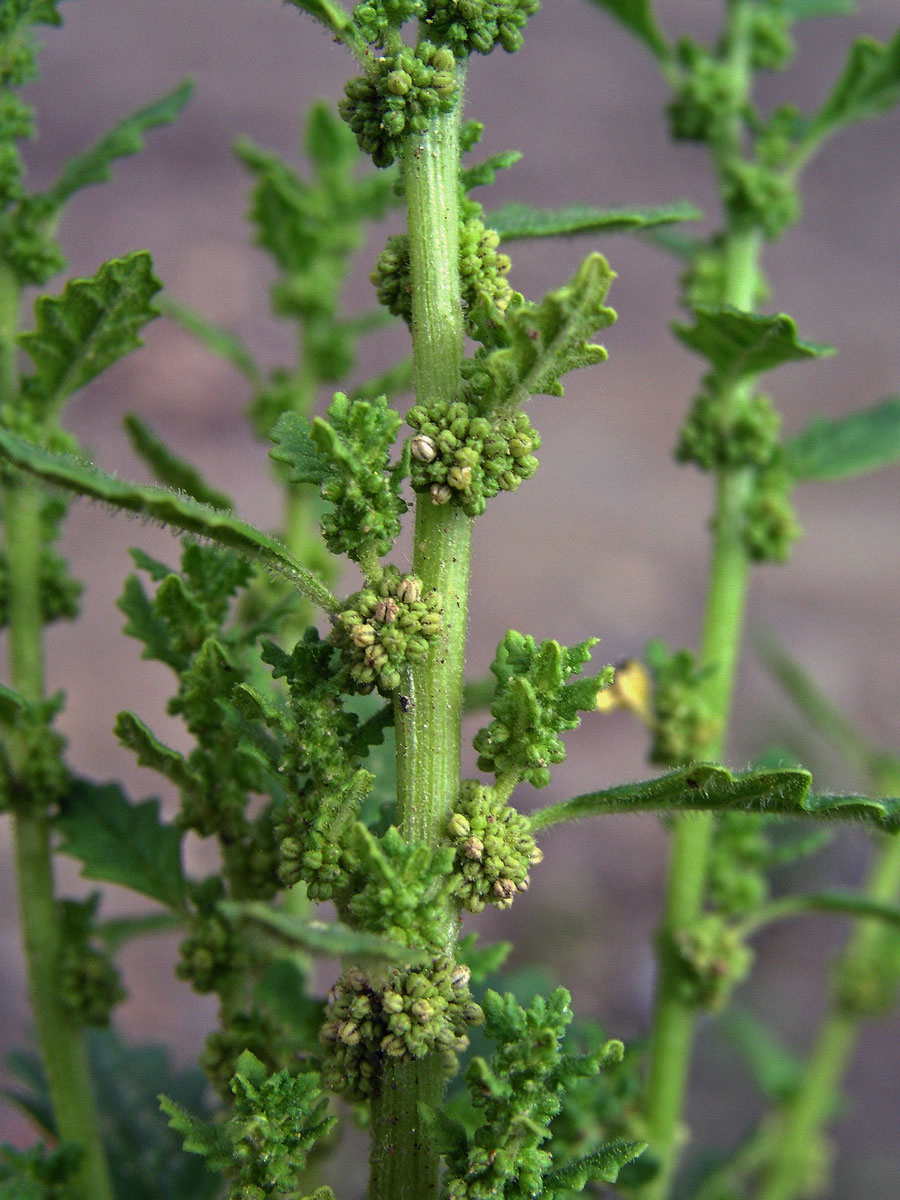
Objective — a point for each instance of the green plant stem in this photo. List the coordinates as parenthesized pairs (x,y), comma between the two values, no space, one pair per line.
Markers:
(675,1017)
(404,1164)
(59,1035)
(815,1101)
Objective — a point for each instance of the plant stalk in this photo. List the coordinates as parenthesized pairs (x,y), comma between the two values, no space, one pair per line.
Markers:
(428,707)
(674,1019)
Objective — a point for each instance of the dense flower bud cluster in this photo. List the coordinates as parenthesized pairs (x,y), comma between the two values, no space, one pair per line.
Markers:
(398,97)
(253,1031)
(482,270)
(761,197)
(682,722)
(770,523)
(88,981)
(384,627)
(401,1013)
(211,954)
(706,95)
(713,958)
(494,848)
(477,26)
(462,456)
(714,436)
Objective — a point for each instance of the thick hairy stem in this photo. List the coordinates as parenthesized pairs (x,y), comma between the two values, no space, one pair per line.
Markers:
(404,1164)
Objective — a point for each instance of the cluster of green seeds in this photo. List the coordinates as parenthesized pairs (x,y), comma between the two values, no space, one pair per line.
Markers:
(482,271)
(494,848)
(477,26)
(386,627)
(397,97)
(458,455)
(400,1013)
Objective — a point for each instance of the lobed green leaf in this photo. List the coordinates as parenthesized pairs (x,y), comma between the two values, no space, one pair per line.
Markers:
(516,221)
(868,86)
(843,447)
(126,138)
(742,344)
(605,1163)
(91,325)
(181,513)
(707,787)
(120,842)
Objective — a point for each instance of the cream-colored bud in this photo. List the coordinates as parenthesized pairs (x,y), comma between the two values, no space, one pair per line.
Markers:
(423,448)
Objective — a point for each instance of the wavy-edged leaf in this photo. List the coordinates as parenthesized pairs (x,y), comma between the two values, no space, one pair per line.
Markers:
(218,340)
(181,513)
(605,1163)
(94,165)
(637,17)
(741,344)
(516,221)
(90,325)
(539,343)
(707,787)
(333,939)
(120,842)
(842,447)
(152,753)
(868,86)
(168,467)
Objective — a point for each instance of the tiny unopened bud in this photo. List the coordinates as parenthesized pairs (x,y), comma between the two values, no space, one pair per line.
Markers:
(473,847)
(440,493)
(460,478)
(460,976)
(348,1032)
(408,590)
(423,448)
(376,656)
(362,635)
(392,1002)
(458,826)
(422,1010)
(505,889)
(386,610)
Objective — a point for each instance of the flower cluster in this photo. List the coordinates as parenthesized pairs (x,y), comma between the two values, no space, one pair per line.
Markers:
(716,435)
(384,627)
(459,455)
(482,270)
(477,26)
(400,1012)
(713,958)
(398,97)
(494,848)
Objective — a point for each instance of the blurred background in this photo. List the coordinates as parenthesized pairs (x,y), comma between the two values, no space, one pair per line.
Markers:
(610,537)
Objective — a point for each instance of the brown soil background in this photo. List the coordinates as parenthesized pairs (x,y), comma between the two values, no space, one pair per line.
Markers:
(609,538)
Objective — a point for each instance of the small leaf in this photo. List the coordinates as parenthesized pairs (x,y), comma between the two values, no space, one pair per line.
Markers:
(121,842)
(447,1135)
(295,446)
(516,221)
(93,166)
(316,937)
(91,325)
(637,17)
(484,173)
(332,16)
(604,1164)
(741,344)
(539,343)
(151,752)
(182,513)
(707,787)
(846,446)
(168,467)
(220,341)
(117,931)
(868,86)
